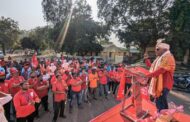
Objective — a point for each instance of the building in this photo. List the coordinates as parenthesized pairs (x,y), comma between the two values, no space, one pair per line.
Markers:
(113,54)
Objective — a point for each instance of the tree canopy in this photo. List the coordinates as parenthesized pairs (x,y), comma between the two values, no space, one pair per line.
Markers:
(38,38)
(180,28)
(8,32)
(138,21)
(83,31)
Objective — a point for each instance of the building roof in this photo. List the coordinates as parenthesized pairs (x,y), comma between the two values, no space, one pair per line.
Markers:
(113,48)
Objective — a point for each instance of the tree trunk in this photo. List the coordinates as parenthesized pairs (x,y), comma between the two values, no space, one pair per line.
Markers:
(186,57)
(3,47)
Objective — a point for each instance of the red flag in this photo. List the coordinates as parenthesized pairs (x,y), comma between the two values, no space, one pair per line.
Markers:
(121,90)
(34,61)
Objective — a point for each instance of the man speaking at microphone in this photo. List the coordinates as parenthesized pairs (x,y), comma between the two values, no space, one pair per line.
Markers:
(161,74)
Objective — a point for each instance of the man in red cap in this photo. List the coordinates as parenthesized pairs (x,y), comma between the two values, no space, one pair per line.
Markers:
(24,103)
(15,81)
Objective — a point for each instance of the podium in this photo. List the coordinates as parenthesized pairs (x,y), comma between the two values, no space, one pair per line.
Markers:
(134,110)
(135,107)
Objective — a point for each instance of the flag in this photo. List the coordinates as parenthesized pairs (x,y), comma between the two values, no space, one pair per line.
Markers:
(34,61)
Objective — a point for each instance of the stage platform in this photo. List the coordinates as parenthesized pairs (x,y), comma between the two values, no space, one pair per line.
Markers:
(113,115)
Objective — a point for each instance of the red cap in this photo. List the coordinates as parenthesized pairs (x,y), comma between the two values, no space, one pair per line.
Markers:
(13,70)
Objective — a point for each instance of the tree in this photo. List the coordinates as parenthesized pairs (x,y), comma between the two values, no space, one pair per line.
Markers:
(180,29)
(83,31)
(8,32)
(27,42)
(40,36)
(56,11)
(37,39)
(138,21)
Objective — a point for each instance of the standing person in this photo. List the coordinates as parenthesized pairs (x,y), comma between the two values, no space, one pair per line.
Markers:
(110,81)
(14,84)
(84,86)
(26,70)
(59,89)
(24,102)
(162,71)
(117,77)
(103,88)
(41,89)
(4,99)
(93,79)
(32,80)
(75,83)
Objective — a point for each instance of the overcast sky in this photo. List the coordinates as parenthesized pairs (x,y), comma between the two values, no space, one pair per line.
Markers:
(28,13)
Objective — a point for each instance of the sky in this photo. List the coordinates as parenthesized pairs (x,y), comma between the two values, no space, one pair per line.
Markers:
(28,13)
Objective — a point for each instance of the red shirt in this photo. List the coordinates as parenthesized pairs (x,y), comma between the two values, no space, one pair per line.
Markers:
(111,75)
(53,79)
(59,86)
(4,87)
(64,77)
(102,77)
(44,92)
(73,82)
(32,81)
(84,79)
(118,76)
(18,80)
(22,103)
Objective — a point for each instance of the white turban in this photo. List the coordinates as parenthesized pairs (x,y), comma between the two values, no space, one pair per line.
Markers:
(162,45)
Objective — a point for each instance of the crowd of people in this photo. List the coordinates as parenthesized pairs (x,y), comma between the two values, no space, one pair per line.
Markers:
(66,78)
(30,82)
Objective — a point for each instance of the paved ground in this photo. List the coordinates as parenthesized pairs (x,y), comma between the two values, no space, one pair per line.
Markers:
(90,110)
(180,98)
(96,107)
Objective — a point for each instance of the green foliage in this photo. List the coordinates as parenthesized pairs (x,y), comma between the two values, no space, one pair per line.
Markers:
(27,42)
(56,11)
(8,32)
(138,21)
(179,35)
(83,31)
(38,38)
